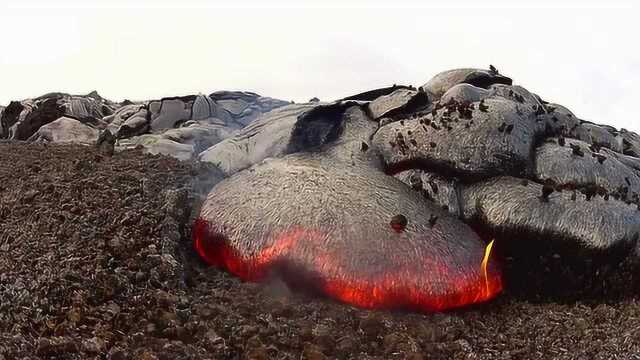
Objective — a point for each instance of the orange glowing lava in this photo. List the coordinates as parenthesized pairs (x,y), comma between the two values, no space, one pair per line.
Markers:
(485,261)
(398,287)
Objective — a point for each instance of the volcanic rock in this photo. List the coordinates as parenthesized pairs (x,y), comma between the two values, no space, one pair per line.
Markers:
(323,125)
(204,108)
(22,119)
(558,109)
(376,93)
(157,144)
(180,126)
(515,93)
(442,82)
(399,222)
(631,143)
(106,143)
(1,111)
(186,126)
(560,124)
(169,113)
(473,143)
(436,188)
(129,120)
(504,205)
(268,136)
(603,169)
(603,136)
(399,101)
(65,130)
(245,107)
(200,134)
(166,113)
(464,92)
(560,121)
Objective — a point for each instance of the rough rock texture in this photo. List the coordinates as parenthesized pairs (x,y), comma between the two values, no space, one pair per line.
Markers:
(201,134)
(182,126)
(1,111)
(507,204)
(183,143)
(268,136)
(462,138)
(630,143)
(442,82)
(21,119)
(157,144)
(340,236)
(89,269)
(580,165)
(65,130)
(464,92)
(203,121)
(436,188)
(106,143)
(398,102)
(245,107)
(128,121)
(168,112)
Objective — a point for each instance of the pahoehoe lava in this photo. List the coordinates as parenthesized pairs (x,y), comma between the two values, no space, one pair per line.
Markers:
(326,213)
(464,159)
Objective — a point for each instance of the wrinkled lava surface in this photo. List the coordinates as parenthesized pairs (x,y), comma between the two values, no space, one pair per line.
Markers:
(95,262)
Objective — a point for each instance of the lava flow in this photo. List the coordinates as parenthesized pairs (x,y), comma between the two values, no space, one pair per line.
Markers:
(484,267)
(402,285)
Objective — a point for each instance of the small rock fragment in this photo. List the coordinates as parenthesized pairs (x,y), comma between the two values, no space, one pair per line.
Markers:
(399,223)
(432,220)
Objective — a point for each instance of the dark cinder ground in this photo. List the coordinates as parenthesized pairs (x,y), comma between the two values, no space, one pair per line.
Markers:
(94,264)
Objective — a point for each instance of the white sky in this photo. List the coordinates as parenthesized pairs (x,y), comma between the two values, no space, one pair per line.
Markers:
(582,54)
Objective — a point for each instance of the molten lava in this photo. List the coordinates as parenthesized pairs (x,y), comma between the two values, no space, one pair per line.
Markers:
(398,287)
(485,262)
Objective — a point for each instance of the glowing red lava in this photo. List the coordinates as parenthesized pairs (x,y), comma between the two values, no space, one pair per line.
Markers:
(394,288)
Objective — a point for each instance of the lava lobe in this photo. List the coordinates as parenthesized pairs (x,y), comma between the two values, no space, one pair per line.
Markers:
(329,218)
(328,228)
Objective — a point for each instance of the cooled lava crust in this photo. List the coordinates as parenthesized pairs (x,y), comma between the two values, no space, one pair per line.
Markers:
(379,201)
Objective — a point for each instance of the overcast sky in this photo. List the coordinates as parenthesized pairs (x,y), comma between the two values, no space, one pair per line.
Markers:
(582,54)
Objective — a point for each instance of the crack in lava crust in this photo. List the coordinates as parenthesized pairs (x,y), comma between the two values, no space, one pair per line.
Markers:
(394,288)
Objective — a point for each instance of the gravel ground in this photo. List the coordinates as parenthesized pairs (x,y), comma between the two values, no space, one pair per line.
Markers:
(94,264)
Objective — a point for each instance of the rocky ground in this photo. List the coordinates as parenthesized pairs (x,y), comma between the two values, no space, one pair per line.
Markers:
(95,263)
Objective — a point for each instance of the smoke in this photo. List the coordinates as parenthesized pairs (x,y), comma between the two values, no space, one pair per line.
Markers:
(205,177)
(276,288)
